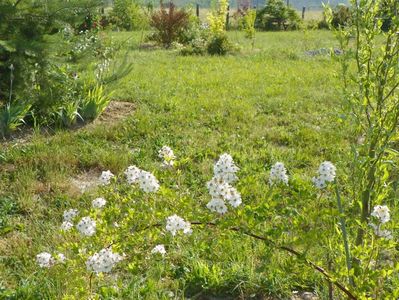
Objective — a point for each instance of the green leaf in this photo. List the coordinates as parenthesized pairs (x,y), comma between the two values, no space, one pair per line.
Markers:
(7,45)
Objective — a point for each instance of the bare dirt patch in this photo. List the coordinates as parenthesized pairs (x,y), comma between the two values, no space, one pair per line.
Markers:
(85,181)
(115,112)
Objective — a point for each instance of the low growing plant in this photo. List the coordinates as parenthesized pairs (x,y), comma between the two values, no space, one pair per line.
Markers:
(12,115)
(93,103)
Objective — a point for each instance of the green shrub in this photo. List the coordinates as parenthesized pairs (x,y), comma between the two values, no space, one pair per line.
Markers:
(51,89)
(277,16)
(127,15)
(249,24)
(219,45)
(94,102)
(12,115)
(341,16)
(67,114)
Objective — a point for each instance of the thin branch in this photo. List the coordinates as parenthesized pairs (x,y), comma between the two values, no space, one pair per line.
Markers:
(273,244)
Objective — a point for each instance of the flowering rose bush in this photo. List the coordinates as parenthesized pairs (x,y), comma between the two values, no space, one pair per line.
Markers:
(110,238)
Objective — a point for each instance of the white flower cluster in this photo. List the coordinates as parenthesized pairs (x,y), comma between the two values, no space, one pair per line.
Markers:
(98,203)
(146,180)
(220,188)
(382,213)
(86,226)
(382,233)
(175,223)
(278,174)
(159,249)
(69,215)
(46,260)
(132,174)
(102,68)
(326,174)
(86,40)
(166,153)
(225,168)
(105,177)
(103,261)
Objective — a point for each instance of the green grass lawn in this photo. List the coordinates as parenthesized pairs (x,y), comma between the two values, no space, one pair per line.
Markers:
(273,103)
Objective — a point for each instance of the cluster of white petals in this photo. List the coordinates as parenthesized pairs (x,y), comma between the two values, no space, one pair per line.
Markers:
(147,182)
(326,174)
(382,233)
(68,215)
(175,223)
(382,214)
(98,203)
(66,226)
(103,261)
(166,153)
(132,174)
(220,188)
(159,249)
(278,174)
(105,177)
(225,168)
(217,205)
(86,226)
(45,260)
(60,257)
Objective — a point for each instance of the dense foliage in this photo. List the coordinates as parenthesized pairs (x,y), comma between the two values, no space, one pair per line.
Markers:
(127,15)
(276,15)
(169,23)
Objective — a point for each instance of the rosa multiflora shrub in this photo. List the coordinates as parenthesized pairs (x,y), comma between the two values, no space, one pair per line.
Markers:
(102,236)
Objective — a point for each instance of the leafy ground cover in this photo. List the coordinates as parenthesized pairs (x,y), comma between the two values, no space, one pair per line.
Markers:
(274,103)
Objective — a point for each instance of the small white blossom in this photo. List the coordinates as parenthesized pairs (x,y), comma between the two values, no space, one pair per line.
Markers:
(319,183)
(233,197)
(103,261)
(382,213)
(98,202)
(175,223)
(327,173)
(70,214)
(132,174)
(148,183)
(60,258)
(382,233)
(105,177)
(66,226)
(217,205)
(222,190)
(278,174)
(166,153)
(86,226)
(225,168)
(45,260)
(217,187)
(159,249)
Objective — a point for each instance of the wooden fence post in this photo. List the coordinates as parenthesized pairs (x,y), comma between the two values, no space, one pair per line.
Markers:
(303,12)
(228,17)
(197,10)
